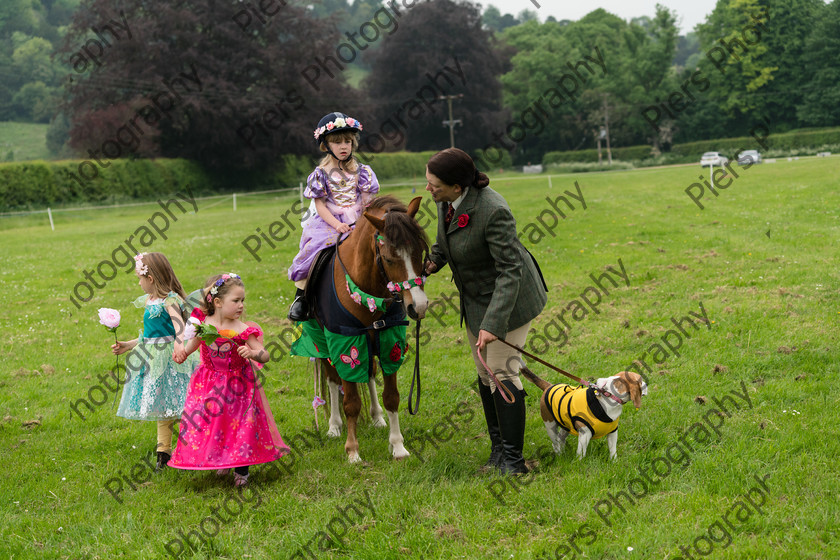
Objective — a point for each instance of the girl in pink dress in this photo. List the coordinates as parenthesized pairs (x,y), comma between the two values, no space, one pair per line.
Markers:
(227,422)
(340,189)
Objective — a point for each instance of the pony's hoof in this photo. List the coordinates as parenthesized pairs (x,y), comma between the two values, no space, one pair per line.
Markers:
(334,432)
(400,452)
(354,458)
(379,422)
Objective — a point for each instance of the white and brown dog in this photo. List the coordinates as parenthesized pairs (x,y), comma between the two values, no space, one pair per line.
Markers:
(586,412)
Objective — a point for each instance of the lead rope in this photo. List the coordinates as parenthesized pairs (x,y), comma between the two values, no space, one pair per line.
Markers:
(557,369)
(506,394)
(416,375)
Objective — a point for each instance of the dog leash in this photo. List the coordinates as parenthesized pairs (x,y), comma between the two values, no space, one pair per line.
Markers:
(507,395)
(566,373)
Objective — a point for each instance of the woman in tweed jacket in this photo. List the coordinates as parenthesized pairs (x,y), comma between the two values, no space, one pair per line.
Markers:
(500,286)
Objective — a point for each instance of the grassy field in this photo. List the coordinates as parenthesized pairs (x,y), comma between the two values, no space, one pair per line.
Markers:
(24,141)
(759,261)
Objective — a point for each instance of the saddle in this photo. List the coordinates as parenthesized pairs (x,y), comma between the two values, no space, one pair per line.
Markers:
(319,266)
(335,333)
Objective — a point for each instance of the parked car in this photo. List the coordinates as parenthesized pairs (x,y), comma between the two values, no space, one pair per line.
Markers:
(749,157)
(713,158)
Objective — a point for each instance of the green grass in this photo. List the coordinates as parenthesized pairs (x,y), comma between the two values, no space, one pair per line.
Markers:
(24,141)
(772,301)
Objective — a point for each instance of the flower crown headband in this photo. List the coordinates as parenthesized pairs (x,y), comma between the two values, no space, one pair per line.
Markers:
(214,289)
(340,122)
(139,267)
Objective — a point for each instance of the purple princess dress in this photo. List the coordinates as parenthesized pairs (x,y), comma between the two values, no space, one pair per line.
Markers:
(346,198)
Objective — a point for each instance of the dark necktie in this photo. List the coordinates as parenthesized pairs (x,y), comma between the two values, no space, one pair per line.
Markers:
(450,213)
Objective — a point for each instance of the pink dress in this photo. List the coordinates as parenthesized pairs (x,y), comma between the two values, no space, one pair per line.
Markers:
(226,420)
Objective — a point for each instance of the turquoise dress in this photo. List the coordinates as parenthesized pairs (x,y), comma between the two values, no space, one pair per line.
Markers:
(156,386)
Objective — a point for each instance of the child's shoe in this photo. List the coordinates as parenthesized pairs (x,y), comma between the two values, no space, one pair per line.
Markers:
(300,307)
(162,459)
(240,480)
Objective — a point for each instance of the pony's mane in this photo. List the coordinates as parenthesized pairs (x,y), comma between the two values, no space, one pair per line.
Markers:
(401,230)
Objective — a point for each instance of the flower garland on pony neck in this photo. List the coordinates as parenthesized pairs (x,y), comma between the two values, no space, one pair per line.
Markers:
(397,287)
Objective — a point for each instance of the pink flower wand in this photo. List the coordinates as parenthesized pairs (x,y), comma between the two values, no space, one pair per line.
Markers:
(110,319)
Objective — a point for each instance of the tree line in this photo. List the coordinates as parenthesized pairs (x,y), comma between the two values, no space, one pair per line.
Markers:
(110,77)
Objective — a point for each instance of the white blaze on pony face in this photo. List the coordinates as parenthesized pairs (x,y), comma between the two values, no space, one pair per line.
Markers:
(418,296)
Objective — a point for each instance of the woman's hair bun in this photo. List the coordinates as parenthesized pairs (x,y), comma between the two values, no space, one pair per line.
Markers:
(456,167)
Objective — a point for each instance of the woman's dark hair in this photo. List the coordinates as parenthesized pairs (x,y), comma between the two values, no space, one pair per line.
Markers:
(456,167)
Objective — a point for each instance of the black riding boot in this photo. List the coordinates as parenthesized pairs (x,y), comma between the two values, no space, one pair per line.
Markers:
(300,307)
(495,459)
(512,426)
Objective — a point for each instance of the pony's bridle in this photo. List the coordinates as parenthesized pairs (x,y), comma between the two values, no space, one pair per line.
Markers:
(395,288)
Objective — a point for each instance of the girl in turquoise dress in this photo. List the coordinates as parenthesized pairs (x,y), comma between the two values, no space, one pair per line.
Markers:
(156,384)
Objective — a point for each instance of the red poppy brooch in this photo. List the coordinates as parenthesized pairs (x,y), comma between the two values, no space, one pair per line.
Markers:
(463,220)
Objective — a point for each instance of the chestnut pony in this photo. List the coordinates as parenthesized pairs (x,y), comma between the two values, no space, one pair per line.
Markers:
(402,245)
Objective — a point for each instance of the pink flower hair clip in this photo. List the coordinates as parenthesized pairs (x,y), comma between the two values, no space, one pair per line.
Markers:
(139,267)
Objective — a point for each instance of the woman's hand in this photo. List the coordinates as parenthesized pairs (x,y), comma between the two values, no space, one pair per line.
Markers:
(430,267)
(485,338)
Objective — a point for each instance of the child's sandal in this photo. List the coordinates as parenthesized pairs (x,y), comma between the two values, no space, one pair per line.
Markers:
(222,472)
(240,480)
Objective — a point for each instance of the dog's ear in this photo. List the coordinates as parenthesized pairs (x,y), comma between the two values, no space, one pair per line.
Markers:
(633,382)
(619,386)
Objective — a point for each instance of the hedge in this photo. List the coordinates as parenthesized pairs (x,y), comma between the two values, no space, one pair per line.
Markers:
(49,183)
(798,139)
(397,165)
(784,141)
(37,184)
(591,156)
(492,159)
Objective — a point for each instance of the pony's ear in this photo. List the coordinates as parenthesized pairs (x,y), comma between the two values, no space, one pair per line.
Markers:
(378,223)
(414,206)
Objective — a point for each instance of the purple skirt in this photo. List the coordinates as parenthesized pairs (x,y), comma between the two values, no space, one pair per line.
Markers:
(317,235)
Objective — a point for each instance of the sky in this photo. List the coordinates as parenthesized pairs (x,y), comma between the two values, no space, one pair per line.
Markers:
(689,12)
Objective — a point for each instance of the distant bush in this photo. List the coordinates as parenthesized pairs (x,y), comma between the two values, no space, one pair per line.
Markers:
(492,159)
(587,167)
(396,165)
(665,159)
(37,183)
(806,141)
(584,156)
(798,142)
(833,148)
